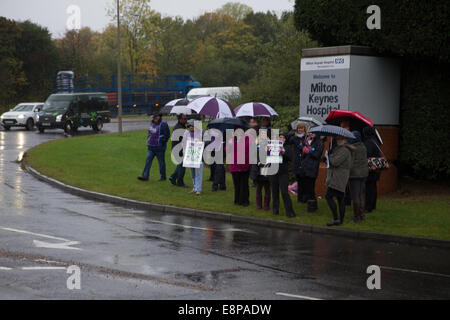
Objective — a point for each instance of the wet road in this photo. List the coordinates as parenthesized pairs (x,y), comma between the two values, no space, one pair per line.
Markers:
(133,254)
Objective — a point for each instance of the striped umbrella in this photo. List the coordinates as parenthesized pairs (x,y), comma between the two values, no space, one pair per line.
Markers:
(255,109)
(310,122)
(211,106)
(332,131)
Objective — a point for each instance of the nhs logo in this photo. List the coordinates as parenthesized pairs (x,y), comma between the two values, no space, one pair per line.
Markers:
(339,61)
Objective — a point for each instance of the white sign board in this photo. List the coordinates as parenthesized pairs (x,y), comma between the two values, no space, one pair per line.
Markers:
(274,151)
(324,86)
(193,155)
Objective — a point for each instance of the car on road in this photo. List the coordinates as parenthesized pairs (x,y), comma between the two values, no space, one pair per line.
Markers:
(70,111)
(23,115)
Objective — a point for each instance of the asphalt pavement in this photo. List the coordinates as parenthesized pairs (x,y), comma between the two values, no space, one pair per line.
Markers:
(124,253)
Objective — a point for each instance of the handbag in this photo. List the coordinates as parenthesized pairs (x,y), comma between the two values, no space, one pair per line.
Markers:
(378,163)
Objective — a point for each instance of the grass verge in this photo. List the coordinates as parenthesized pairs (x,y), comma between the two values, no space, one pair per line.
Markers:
(111,163)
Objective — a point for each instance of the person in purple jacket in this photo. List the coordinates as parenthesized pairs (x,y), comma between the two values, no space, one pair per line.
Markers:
(158,135)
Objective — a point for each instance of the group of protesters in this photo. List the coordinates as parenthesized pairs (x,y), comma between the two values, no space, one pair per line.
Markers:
(301,154)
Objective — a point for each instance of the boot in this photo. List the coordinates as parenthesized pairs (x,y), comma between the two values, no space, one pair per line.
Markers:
(267,202)
(258,202)
(362,217)
(312,206)
(356,217)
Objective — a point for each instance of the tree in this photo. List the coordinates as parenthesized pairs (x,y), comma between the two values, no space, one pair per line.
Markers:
(140,24)
(236,10)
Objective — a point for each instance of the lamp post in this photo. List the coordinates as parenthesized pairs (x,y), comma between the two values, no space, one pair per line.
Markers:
(119,75)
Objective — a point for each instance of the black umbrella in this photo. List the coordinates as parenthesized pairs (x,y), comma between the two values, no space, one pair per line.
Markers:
(223,124)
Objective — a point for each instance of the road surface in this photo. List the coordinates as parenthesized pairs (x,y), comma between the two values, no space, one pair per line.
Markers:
(124,253)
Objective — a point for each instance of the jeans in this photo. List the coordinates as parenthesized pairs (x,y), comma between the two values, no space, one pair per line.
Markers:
(178,175)
(197,178)
(159,153)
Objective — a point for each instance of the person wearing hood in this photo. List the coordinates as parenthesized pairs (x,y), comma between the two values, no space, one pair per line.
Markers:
(298,143)
(158,135)
(373,151)
(337,178)
(280,181)
(358,175)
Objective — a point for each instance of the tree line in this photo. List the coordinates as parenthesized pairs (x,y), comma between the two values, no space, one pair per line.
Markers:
(232,46)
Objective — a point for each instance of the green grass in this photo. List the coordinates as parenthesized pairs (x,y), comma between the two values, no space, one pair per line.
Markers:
(111,163)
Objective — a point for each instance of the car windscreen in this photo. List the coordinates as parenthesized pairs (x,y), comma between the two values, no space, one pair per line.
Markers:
(57,103)
(23,108)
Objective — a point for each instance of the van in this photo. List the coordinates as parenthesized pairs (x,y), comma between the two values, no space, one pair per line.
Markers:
(226,93)
(70,111)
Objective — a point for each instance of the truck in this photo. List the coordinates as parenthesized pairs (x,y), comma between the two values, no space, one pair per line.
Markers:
(141,94)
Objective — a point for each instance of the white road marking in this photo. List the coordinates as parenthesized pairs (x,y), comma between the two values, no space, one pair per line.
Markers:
(63,245)
(296,296)
(34,234)
(198,228)
(417,271)
(66,244)
(43,268)
(5,268)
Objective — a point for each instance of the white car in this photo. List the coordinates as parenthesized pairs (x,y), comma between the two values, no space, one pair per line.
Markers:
(23,115)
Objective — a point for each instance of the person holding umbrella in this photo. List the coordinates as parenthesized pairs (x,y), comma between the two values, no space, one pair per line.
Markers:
(177,178)
(158,135)
(338,172)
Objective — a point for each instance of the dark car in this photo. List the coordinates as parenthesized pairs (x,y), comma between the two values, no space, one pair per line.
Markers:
(70,111)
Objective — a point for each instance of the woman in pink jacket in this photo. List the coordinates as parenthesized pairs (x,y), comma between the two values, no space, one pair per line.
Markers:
(239,166)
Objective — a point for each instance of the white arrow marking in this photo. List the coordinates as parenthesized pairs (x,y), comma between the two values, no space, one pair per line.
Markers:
(43,268)
(66,244)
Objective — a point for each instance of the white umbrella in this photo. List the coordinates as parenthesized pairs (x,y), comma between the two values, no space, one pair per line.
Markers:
(255,109)
(310,122)
(181,110)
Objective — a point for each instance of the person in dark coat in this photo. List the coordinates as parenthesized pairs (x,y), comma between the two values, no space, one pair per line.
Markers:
(177,178)
(310,161)
(358,175)
(280,181)
(158,135)
(373,151)
(219,182)
(298,143)
(338,173)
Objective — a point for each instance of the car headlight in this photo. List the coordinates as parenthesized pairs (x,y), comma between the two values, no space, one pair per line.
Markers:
(37,117)
(21,116)
(59,118)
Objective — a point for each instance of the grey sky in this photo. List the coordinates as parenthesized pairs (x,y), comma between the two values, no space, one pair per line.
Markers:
(52,13)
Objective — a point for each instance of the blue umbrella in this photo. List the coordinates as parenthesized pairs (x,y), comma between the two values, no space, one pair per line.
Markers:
(332,131)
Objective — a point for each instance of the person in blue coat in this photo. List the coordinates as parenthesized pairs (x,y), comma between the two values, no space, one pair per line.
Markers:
(158,135)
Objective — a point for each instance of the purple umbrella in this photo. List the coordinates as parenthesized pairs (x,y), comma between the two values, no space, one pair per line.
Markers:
(213,107)
(255,109)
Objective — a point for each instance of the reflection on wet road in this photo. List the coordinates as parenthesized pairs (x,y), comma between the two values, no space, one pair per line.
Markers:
(135,254)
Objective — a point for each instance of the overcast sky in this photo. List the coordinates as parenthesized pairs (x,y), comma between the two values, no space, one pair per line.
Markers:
(52,13)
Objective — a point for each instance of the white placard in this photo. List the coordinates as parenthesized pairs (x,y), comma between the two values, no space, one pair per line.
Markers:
(274,151)
(193,155)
